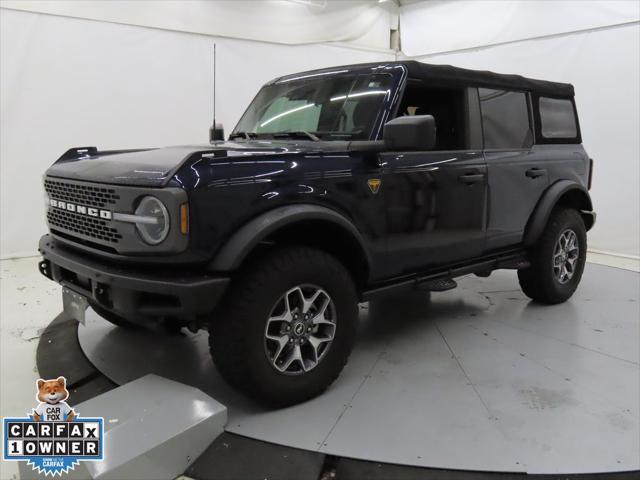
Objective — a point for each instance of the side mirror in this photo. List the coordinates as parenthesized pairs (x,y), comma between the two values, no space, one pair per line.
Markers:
(413,132)
(216,133)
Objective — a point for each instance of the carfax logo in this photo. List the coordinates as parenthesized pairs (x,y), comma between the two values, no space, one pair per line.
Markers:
(53,439)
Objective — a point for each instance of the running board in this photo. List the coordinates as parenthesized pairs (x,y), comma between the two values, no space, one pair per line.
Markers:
(508,260)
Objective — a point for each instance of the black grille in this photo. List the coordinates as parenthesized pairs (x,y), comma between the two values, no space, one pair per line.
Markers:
(89,226)
(87,195)
(83,225)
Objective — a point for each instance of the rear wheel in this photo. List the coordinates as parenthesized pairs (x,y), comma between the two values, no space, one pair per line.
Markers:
(287,327)
(557,261)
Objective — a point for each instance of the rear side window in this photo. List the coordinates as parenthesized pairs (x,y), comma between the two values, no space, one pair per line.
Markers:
(505,119)
(557,118)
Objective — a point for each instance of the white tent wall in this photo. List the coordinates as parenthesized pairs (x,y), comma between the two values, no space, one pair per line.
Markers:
(447,25)
(134,86)
(603,63)
(358,22)
(69,82)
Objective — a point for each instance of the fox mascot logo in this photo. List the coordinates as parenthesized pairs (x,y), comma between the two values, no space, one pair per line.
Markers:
(51,396)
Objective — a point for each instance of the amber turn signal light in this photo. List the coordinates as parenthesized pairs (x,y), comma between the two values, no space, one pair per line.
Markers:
(184,218)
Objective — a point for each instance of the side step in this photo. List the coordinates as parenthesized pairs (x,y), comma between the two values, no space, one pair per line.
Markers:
(440,284)
(508,264)
(514,264)
(440,281)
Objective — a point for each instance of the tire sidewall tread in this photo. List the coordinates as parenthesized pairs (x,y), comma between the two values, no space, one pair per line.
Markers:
(538,281)
(237,332)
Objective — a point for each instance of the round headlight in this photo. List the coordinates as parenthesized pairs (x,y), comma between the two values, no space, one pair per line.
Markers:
(153,222)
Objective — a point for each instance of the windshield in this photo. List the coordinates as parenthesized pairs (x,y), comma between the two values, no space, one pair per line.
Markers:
(314,106)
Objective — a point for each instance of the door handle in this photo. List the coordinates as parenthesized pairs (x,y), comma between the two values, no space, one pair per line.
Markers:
(536,172)
(471,178)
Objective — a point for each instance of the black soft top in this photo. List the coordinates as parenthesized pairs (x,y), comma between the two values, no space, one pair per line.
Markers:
(449,75)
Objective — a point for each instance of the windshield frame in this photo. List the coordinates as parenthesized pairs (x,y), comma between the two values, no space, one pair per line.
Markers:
(388,105)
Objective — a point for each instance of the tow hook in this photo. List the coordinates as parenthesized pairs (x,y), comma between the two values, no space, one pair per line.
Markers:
(45,269)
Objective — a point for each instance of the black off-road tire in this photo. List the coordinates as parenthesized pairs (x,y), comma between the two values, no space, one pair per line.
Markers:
(114,318)
(237,333)
(539,282)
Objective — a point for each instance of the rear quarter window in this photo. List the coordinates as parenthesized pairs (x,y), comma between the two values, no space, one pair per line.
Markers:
(557,118)
(505,119)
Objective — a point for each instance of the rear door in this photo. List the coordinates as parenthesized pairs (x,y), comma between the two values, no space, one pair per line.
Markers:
(518,173)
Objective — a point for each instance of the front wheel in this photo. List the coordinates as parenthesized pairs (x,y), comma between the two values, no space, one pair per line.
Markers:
(287,327)
(557,261)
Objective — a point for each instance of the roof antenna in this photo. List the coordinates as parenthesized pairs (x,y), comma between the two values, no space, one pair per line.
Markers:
(216,132)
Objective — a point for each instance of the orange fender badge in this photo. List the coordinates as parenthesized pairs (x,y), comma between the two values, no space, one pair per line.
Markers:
(374,185)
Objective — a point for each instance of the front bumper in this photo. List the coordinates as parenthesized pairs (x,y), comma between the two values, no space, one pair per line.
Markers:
(137,295)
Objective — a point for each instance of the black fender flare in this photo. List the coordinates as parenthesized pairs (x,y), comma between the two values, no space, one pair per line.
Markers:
(548,201)
(237,247)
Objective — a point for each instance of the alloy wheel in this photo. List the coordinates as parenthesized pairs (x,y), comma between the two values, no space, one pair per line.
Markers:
(300,329)
(565,256)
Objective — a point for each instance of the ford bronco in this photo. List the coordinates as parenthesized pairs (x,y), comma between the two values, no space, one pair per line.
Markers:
(336,185)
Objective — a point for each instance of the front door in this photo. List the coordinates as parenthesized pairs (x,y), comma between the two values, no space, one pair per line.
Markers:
(435,207)
(436,201)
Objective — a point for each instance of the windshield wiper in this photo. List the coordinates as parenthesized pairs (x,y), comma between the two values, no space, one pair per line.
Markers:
(298,133)
(245,135)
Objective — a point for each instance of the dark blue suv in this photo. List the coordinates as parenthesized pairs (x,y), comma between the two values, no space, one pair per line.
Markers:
(336,185)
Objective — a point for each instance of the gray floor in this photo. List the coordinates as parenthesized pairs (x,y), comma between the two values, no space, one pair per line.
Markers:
(475,378)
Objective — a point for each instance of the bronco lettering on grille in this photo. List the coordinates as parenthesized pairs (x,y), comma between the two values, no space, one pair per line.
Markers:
(81,209)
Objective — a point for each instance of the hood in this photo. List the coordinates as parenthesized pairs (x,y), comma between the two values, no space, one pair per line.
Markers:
(155,167)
